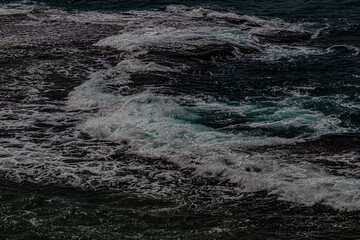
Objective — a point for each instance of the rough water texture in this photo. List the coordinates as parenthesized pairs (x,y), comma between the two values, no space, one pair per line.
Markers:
(165,121)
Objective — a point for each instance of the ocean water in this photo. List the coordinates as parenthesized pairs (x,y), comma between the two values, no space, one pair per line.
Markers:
(179,119)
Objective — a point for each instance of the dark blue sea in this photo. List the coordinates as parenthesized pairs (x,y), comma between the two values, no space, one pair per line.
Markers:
(179,119)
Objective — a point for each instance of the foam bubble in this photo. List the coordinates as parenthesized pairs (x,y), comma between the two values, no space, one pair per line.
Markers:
(353,49)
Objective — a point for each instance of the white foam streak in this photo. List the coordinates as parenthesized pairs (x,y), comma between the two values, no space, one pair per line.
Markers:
(93,94)
(14,9)
(165,36)
(199,12)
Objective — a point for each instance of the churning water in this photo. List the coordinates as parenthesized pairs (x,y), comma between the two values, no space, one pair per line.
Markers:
(155,120)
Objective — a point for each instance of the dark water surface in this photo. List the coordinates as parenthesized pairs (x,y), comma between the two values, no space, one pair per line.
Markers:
(179,120)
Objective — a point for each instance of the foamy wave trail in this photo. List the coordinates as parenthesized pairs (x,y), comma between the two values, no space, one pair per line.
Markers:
(218,95)
(186,29)
(163,127)
(198,131)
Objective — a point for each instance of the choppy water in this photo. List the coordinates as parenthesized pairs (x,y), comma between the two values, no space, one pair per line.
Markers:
(167,120)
